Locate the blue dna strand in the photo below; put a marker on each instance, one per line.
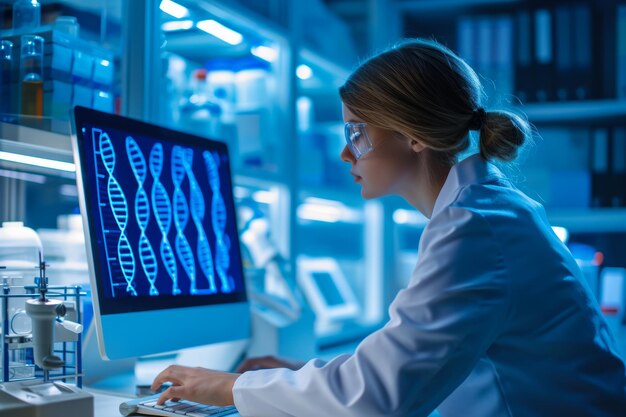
(119, 207)
(218, 218)
(163, 213)
(197, 214)
(142, 212)
(181, 216)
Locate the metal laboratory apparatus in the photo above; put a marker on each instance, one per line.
(24, 394)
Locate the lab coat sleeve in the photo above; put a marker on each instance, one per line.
(439, 327)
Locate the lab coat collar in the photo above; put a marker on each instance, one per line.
(471, 170)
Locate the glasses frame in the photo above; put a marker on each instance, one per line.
(350, 128)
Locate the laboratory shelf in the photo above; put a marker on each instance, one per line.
(349, 194)
(198, 46)
(575, 112)
(34, 150)
(597, 220)
(257, 178)
(327, 77)
(36, 137)
(445, 5)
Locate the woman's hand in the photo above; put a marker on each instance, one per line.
(196, 384)
(268, 362)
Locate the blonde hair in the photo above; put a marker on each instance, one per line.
(422, 90)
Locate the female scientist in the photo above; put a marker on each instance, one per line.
(496, 320)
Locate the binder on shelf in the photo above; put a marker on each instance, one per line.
(486, 44)
(564, 51)
(523, 60)
(543, 56)
(582, 37)
(604, 52)
(503, 57)
(620, 73)
(466, 40)
(600, 178)
(484, 27)
(618, 166)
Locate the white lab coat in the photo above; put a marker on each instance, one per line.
(496, 321)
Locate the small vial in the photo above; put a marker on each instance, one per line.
(26, 14)
(6, 73)
(67, 24)
(31, 75)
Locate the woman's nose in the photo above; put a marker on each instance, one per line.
(347, 156)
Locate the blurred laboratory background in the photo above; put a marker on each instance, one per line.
(263, 77)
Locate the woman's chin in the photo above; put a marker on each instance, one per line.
(369, 194)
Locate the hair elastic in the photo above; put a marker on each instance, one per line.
(478, 119)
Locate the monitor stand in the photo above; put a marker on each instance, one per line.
(133, 377)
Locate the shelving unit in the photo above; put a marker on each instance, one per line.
(598, 220)
(55, 143)
(558, 38)
(576, 113)
(330, 207)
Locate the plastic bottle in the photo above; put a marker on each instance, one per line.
(20, 251)
(251, 84)
(199, 111)
(256, 145)
(26, 14)
(20, 248)
(221, 80)
(6, 71)
(31, 75)
(67, 24)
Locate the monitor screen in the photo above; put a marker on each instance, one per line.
(161, 223)
(326, 284)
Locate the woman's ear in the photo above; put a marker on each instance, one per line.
(416, 145)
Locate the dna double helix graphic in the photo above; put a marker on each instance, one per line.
(163, 213)
(218, 218)
(142, 212)
(119, 207)
(205, 258)
(181, 217)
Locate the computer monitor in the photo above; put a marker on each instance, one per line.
(327, 289)
(161, 234)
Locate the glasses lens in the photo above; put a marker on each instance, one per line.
(357, 139)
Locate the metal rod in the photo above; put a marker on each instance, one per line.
(5, 326)
(43, 281)
(78, 355)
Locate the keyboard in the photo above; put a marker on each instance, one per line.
(148, 406)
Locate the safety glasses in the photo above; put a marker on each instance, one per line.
(357, 139)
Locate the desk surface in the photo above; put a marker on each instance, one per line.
(107, 405)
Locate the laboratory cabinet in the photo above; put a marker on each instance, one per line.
(274, 100)
(339, 235)
(225, 71)
(57, 54)
(561, 65)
